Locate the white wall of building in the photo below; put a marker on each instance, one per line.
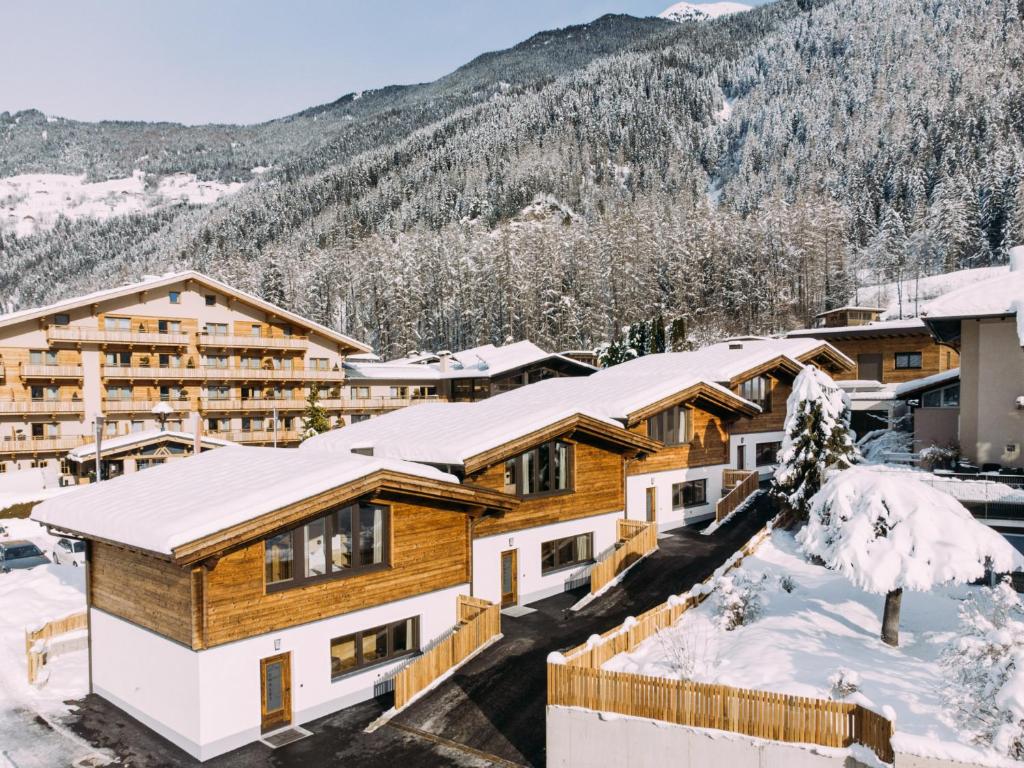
(533, 585)
(667, 517)
(208, 702)
(750, 442)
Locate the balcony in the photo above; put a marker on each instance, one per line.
(50, 372)
(42, 406)
(228, 341)
(73, 334)
(144, 406)
(42, 444)
(221, 374)
(258, 404)
(262, 436)
(358, 404)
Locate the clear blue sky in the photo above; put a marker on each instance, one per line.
(198, 61)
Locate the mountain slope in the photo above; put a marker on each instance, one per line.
(681, 12)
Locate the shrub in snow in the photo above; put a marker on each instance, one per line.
(739, 599)
(887, 532)
(986, 662)
(787, 583)
(817, 438)
(844, 682)
(876, 446)
(936, 457)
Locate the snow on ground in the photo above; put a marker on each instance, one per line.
(33, 202)
(33, 597)
(804, 637)
(916, 292)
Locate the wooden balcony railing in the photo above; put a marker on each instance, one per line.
(637, 539)
(260, 436)
(183, 373)
(229, 341)
(42, 444)
(42, 406)
(260, 404)
(77, 335)
(36, 371)
(144, 406)
(382, 403)
(743, 483)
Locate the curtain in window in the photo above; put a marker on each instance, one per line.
(371, 535)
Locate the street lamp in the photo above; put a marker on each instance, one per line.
(162, 410)
(98, 426)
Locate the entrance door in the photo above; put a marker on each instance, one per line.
(869, 366)
(741, 455)
(652, 504)
(509, 578)
(276, 691)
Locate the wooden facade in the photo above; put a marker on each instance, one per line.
(709, 445)
(935, 358)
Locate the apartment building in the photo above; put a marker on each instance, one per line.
(193, 345)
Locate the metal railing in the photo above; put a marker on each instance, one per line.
(79, 334)
(989, 496)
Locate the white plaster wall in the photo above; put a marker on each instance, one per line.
(532, 584)
(749, 442)
(669, 518)
(999, 382)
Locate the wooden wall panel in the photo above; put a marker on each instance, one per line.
(144, 590)
(429, 551)
(934, 357)
(710, 445)
(772, 421)
(598, 489)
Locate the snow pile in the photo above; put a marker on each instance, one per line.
(885, 531)
(820, 632)
(681, 12)
(34, 201)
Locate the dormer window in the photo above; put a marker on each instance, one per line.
(673, 426)
(61, 319)
(758, 390)
(174, 296)
(544, 470)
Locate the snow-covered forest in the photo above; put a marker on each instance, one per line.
(740, 175)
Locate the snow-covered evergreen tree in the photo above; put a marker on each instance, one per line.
(314, 419)
(818, 438)
(886, 532)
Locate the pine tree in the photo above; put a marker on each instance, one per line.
(817, 439)
(657, 334)
(314, 419)
(272, 284)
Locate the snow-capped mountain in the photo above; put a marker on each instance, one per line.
(701, 11)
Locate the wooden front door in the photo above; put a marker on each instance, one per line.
(652, 504)
(276, 691)
(869, 366)
(741, 455)
(509, 578)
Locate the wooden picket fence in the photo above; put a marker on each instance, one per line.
(36, 658)
(580, 682)
(743, 484)
(638, 539)
(479, 623)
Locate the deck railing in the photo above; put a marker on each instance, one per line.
(38, 647)
(42, 406)
(479, 624)
(743, 484)
(232, 341)
(79, 334)
(580, 681)
(39, 371)
(636, 539)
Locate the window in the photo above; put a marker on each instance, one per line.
(174, 296)
(218, 425)
(169, 326)
(42, 357)
(216, 329)
(360, 393)
(110, 429)
(218, 393)
(117, 359)
(170, 361)
(671, 426)
(252, 423)
(211, 300)
(373, 646)
(137, 426)
(545, 469)
(45, 393)
(358, 417)
(563, 553)
(252, 363)
(318, 364)
(43, 431)
(119, 393)
(765, 453)
(61, 319)
(172, 392)
(399, 392)
(692, 493)
(117, 324)
(758, 391)
(908, 360)
(947, 397)
(348, 539)
(256, 329)
(215, 361)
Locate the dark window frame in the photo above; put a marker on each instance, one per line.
(357, 638)
(907, 361)
(679, 489)
(210, 299)
(759, 448)
(519, 462)
(672, 426)
(764, 402)
(62, 318)
(299, 578)
(555, 544)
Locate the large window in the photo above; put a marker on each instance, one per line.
(947, 397)
(346, 540)
(545, 469)
(765, 453)
(563, 553)
(671, 427)
(908, 361)
(758, 390)
(117, 323)
(692, 493)
(373, 646)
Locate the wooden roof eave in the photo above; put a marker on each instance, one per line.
(383, 482)
(834, 356)
(576, 424)
(708, 397)
(782, 363)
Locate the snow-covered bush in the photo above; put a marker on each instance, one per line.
(986, 662)
(739, 599)
(817, 438)
(844, 682)
(876, 446)
(938, 457)
(886, 532)
(787, 583)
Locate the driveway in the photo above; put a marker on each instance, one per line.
(491, 712)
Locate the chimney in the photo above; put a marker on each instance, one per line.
(444, 356)
(735, 345)
(197, 431)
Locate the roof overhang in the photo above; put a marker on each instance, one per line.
(836, 361)
(714, 399)
(780, 364)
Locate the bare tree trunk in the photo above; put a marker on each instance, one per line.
(891, 618)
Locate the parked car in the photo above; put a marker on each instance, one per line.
(69, 552)
(20, 553)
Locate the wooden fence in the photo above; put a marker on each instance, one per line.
(638, 539)
(745, 484)
(479, 623)
(36, 657)
(580, 682)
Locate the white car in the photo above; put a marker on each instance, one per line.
(69, 552)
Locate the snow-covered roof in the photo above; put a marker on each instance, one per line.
(850, 308)
(988, 298)
(184, 501)
(85, 452)
(905, 325)
(390, 372)
(150, 282)
(927, 382)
